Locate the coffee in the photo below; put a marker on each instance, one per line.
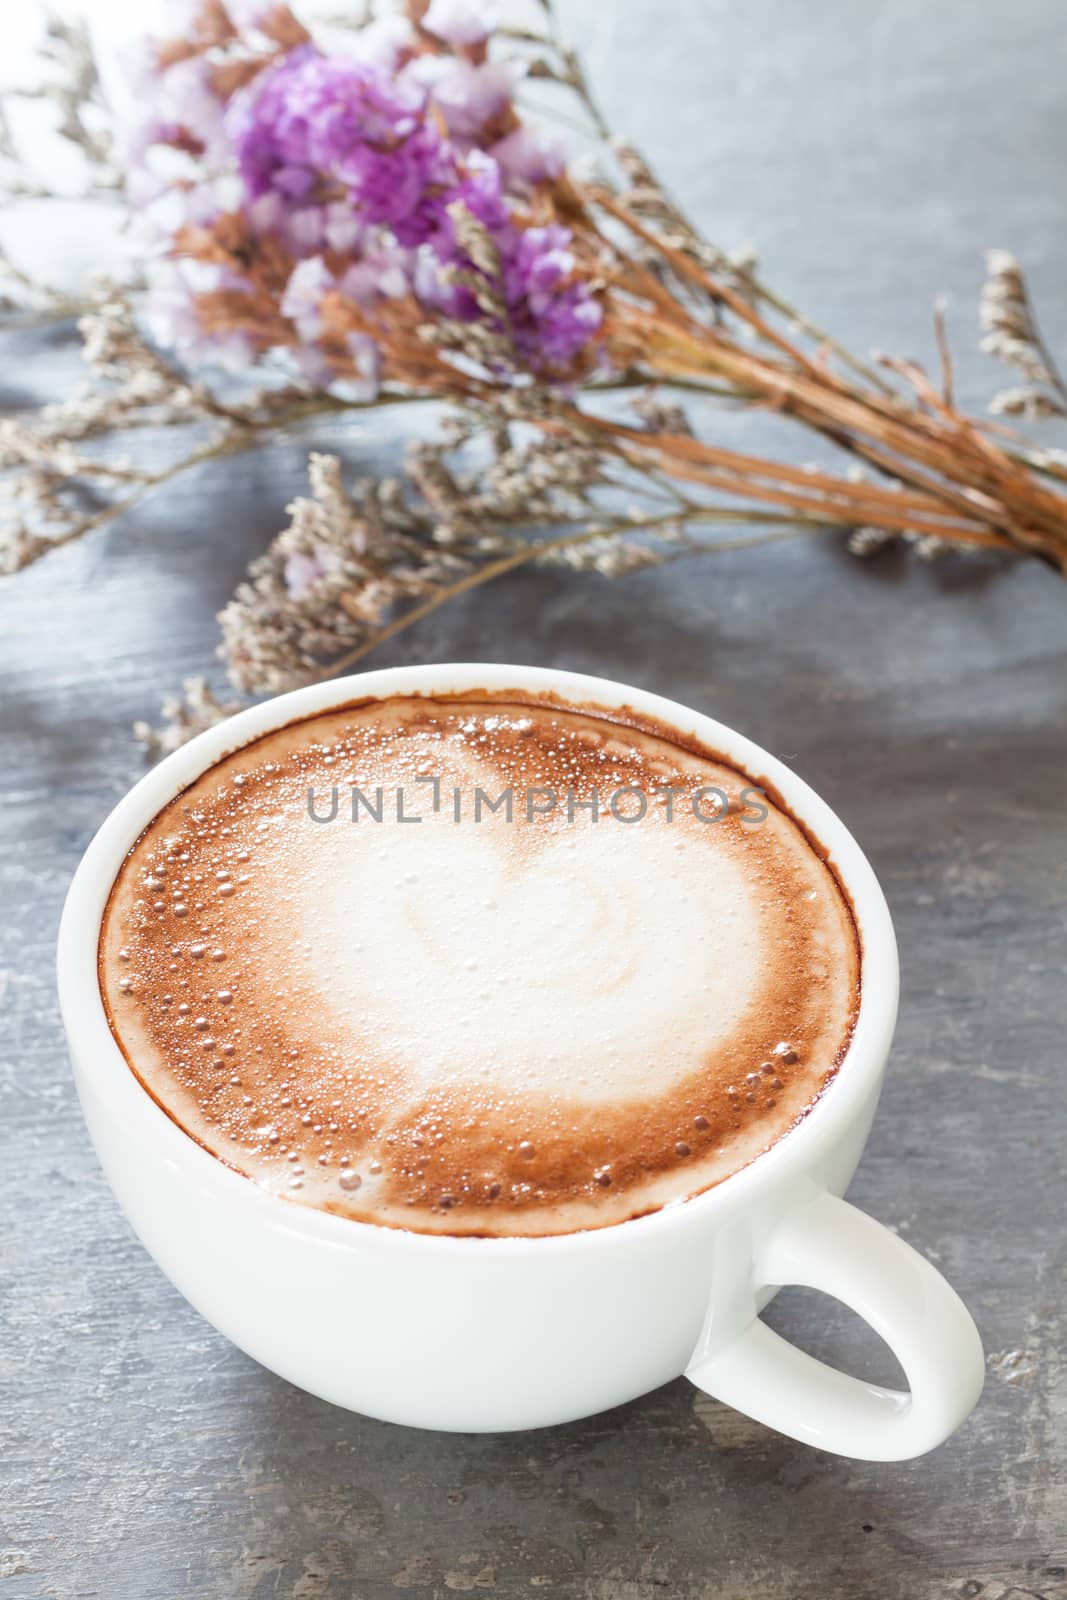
(493, 965)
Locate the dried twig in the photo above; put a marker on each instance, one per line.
(535, 303)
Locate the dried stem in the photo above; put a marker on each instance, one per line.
(929, 447)
(535, 552)
(529, 469)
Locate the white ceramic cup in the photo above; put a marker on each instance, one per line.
(478, 1334)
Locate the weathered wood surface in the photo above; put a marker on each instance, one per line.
(873, 151)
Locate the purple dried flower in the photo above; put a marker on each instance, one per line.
(387, 42)
(318, 127)
(171, 316)
(367, 360)
(384, 272)
(552, 314)
(303, 571)
(527, 157)
(468, 97)
(461, 22)
(302, 300)
(314, 365)
(181, 132)
(482, 192)
(364, 284)
(339, 171)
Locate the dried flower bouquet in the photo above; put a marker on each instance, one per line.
(363, 218)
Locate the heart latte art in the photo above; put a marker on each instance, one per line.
(490, 965)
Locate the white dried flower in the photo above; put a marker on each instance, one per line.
(184, 716)
(1035, 405)
(1007, 319)
(868, 541)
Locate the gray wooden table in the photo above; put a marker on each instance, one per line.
(873, 151)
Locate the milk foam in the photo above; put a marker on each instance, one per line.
(595, 966)
(492, 1026)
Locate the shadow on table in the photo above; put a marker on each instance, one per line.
(672, 1493)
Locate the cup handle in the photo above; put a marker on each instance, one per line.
(830, 1245)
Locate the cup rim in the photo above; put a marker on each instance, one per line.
(99, 1060)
